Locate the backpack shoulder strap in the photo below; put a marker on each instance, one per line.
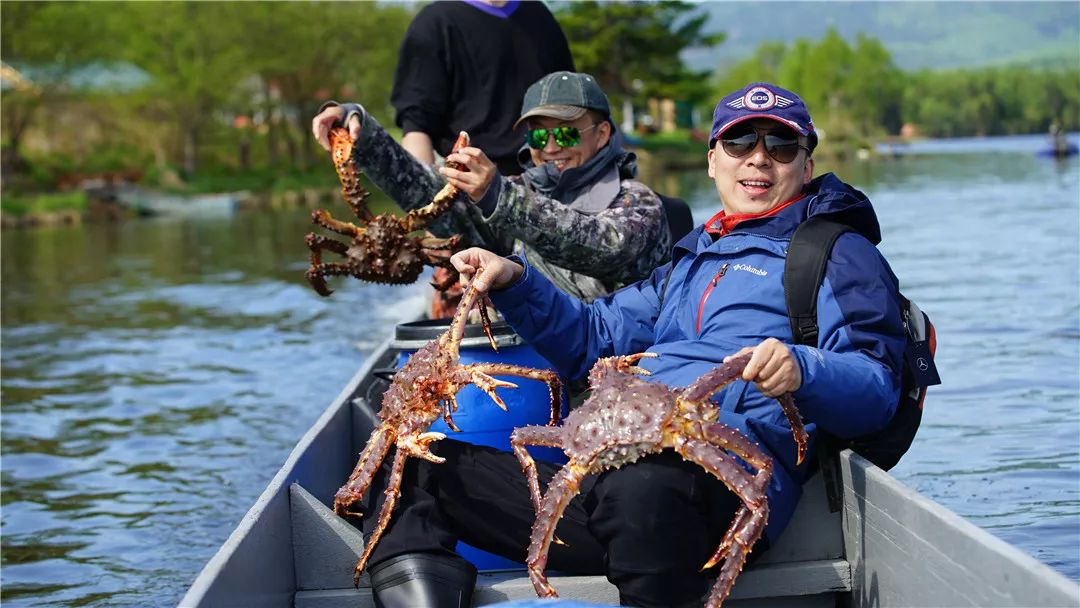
(804, 270)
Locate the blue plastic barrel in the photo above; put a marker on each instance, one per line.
(480, 420)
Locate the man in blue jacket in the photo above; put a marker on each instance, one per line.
(723, 294)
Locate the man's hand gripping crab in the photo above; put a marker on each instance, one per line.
(626, 418)
(423, 390)
(382, 249)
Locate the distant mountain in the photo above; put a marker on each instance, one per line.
(917, 34)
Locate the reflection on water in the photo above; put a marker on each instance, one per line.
(156, 374)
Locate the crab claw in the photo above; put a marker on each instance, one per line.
(488, 384)
(627, 362)
(463, 141)
(445, 283)
(419, 446)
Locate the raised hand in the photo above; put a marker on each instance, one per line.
(495, 272)
(477, 176)
(330, 118)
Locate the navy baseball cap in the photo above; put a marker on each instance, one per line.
(763, 100)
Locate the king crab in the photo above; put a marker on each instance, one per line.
(423, 390)
(626, 418)
(382, 249)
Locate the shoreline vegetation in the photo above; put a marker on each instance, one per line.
(103, 97)
(680, 150)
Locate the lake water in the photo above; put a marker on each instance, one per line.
(155, 374)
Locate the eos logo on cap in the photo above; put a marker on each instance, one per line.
(759, 98)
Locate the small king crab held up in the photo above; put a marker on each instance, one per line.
(423, 390)
(626, 418)
(382, 249)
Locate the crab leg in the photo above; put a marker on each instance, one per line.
(436, 257)
(324, 219)
(735, 442)
(744, 531)
(390, 496)
(450, 406)
(749, 521)
(370, 459)
(548, 377)
(420, 218)
(562, 489)
(533, 435)
(725, 468)
(317, 243)
(719, 377)
(434, 242)
(341, 154)
(798, 431)
(450, 279)
(357, 201)
(469, 298)
(317, 273)
(716, 379)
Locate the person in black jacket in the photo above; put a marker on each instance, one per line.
(465, 66)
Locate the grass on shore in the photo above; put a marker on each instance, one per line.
(40, 204)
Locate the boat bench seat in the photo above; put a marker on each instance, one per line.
(806, 567)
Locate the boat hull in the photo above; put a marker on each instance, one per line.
(886, 546)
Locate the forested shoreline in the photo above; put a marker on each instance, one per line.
(218, 95)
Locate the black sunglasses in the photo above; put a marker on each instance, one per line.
(783, 148)
(565, 137)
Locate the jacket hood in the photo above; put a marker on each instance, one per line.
(826, 195)
(829, 195)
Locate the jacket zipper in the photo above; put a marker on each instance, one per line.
(705, 296)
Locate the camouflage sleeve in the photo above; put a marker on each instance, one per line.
(620, 244)
(411, 184)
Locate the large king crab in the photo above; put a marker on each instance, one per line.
(422, 391)
(626, 418)
(382, 249)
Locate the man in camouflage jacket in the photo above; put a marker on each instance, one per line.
(576, 213)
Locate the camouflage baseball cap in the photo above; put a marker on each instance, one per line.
(563, 95)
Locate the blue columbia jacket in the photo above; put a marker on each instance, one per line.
(727, 293)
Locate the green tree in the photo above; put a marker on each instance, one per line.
(763, 66)
(320, 51)
(195, 61)
(876, 86)
(621, 43)
(43, 44)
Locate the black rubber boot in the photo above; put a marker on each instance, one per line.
(423, 580)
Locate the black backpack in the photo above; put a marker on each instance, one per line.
(804, 270)
(680, 219)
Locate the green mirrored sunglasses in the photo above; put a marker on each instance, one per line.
(565, 137)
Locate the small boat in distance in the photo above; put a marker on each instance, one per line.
(884, 546)
(1060, 146)
(158, 204)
